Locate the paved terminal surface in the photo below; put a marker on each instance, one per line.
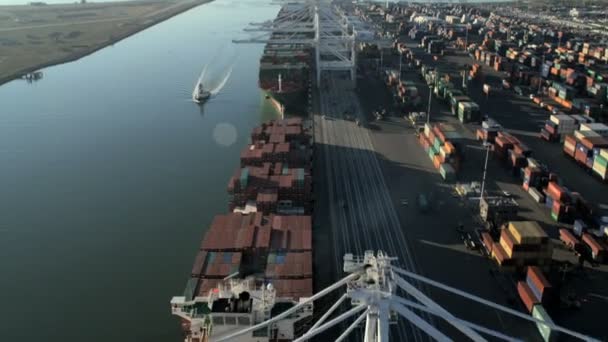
(368, 179)
(357, 167)
(521, 117)
(431, 238)
(360, 213)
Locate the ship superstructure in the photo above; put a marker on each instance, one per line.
(236, 304)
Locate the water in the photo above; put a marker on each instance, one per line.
(109, 175)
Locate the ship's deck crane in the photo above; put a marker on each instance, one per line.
(371, 286)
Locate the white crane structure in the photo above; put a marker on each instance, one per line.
(318, 24)
(371, 286)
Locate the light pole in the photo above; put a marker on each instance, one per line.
(485, 168)
(466, 37)
(400, 58)
(464, 75)
(540, 82)
(428, 112)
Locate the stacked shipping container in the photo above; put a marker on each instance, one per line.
(436, 143)
(257, 240)
(523, 243)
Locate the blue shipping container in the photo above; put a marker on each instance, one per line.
(549, 202)
(535, 290)
(579, 227)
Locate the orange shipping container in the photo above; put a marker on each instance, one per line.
(436, 161)
(526, 295)
(554, 71)
(448, 147)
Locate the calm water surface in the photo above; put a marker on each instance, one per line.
(109, 175)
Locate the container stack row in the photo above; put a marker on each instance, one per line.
(268, 233)
(274, 177)
(588, 146)
(536, 293)
(436, 141)
(522, 243)
(513, 153)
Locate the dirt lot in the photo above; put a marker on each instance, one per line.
(32, 37)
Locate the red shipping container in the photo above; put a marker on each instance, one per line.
(558, 207)
(438, 133)
(526, 295)
(598, 250)
(594, 142)
(522, 149)
(487, 241)
(556, 192)
(538, 280)
(423, 141)
(503, 143)
(567, 238)
(580, 156)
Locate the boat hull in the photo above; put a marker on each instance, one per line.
(291, 103)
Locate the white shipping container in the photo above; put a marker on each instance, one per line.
(581, 119)
(490, 124)
(598, 128)
(536, 195)
(563, 130)
(427, 129)
(533, 163)
(585, 134)
(562, 119)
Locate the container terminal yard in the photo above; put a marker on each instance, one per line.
(462, 143)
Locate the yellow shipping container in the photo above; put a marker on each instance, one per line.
(546, 251)
(602, 171)
(569, 145)
(527, 232)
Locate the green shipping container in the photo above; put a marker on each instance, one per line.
(432, 152)
(538, 312)
(437, 144)
(447, 172)
(601, 161)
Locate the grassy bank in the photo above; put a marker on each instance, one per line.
(35, 37)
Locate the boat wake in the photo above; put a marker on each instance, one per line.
(220, 86)
(204, 89)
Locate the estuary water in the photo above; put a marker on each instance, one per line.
(109, 175)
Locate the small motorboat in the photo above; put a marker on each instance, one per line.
(200, 95)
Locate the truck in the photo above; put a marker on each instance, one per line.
(455, 100)
(468, 112)
(452, 92)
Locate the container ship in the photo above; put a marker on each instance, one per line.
(285, 70)
(255, 261)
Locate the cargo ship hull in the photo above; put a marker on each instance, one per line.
(288, 103)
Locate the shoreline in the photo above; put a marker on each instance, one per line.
(76, 56)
